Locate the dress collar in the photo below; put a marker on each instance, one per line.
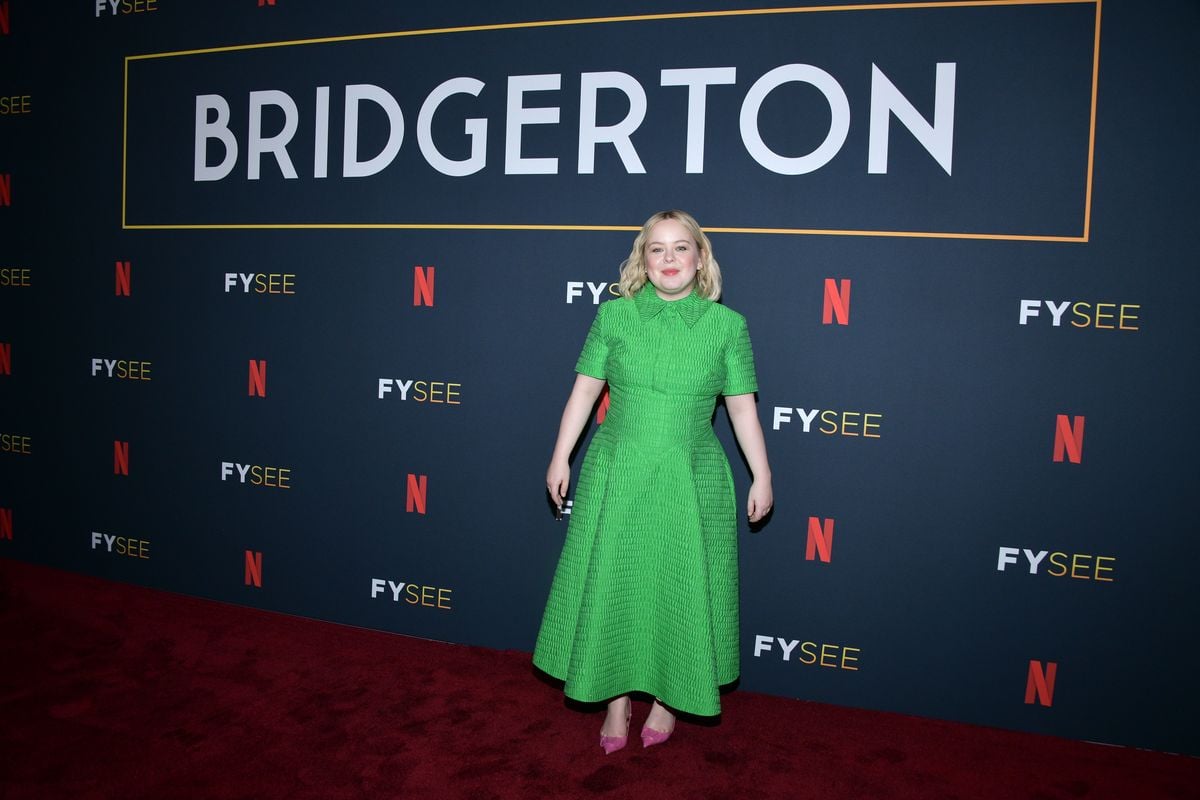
(689, 308)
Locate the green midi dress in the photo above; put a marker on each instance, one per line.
(645, 596)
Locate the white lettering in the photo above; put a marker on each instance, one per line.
(839, 124)
(937, 139)
(788, 647)
(257, 145)
(1034, 560)
(321, 134)
(355, 94)
(1029, 308)
(1008, 555)
(1056, 312)
(217, 129)
(618, 135)
(807, 417)
(697, 80)
(476, 130)
(761, 644)
(519, 116)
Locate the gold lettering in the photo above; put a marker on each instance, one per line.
(828, 651)
(16, 276)
(16, 443)
(846, 657)
(16, 104)
(867, 424)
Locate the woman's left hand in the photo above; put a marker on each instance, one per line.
(760, 501)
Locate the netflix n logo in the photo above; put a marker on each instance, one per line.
(602, 406)
(820, 540)
(416, 493)
(1068, 438)
(837, 302)
(4, 19)
(423, 286)
(5, 189)
(5, 358)
(253, 570)
(121, 458)
(1039, 685)
(258, 378)
(6, 527)
(123, 279)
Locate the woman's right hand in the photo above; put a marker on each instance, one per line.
(558, 476)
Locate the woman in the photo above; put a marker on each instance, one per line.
(645, 594)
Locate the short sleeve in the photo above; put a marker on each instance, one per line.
(594, 357)
(739, 363)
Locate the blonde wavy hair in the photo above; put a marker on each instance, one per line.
(708, 272)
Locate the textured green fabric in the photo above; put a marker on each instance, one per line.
(645, 597)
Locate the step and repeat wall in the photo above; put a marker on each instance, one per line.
(291, 292)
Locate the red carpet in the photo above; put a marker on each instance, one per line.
(114, 691)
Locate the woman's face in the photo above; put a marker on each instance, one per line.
(672, 257)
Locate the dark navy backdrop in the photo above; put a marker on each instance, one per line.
(909, 610)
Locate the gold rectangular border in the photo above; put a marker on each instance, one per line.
(1087, 207)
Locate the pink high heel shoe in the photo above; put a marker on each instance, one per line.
(651, 736)
(612, 744)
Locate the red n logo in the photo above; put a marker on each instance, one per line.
(123, 274)
(6, 189)
(423, 286)
(820, 539)
(258, 378)
(1040, 683)
(1068, 436)
(5, 358)
(837, 302)
(254, 568)
(121, 458)
(602, 409)
(4, 17)
(415, 496)
(262, 3)
(6, 523)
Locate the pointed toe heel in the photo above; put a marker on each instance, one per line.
(653, 736)
(611, 744)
